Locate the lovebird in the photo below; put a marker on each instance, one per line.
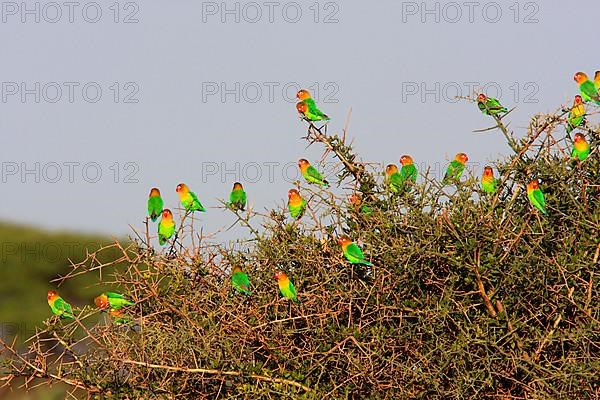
(166, 227)
(188, 199)
(456, 168)
(240, 281)
(581, 148)
(311, 174)
(112, 300)
(296, 204)
(488, 182)
(597, 81)
(119, 317)
(536, 197)
(155, 204)
(59, 306)
(394, 179)
(352, 252)
(286, 286)
(576, 115)
(490, 105)
(356, 201)
(237, 198)
(408, 172)
(586, 88)
(311, 112)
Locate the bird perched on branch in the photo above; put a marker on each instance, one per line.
(576, 115)
(588, 90)
(394, 179)
(286, 286)
(488, 182)
(240, 281)
(536, 197)
(307, 107)
(581, 148)
(166, 227)
(296, 204)
(188, 199)
(311, 174)
(490, 105)
(114, 300)
(352, 252)
(237, 198)
(456, 168)
(59, 306)
(408, 172)
(155, 204)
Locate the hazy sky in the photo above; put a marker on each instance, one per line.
(202, 92)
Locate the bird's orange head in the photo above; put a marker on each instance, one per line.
(481, 98)
(167, 214)
(533, 185)
(101, 301)
(279, 275)
(391, 169)
(237, 186)
(303, 94)
(303, 163)
(406, 160)
(236, 268)
(580, 77)
(487, 171)
(154, 192)
(578, 100)
(355, 199)
(579, 137)
(461, 158)
(182, 188)
(302, 108)
(344, 241)
(292, 193)
(52, 295)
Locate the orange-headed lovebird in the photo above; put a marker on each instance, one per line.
(59, 306)
(166, 227)
(286, 286)
(488, 182)
(237, 198)
(310, 112)
(310, 173)
(586, 88)
(240, 281)
(490, 105)
(576, 115)
(581, 148)
(155, 204)
(352, 252)
(456, 168)
(188, 199)
(536, 197)
(296, 204)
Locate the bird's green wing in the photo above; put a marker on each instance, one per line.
(395, 182)
(64, 309)
(539, 198)
(155, 207)
(354, 252)
(241, 282)
(409, 172)
(313, 175)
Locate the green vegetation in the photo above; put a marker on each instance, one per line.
(470, 295)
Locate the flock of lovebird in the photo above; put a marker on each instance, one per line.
(397, 181)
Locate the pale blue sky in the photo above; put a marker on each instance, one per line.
(368, 61)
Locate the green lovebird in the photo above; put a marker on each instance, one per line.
(237, 198)
(119, 317)
(286, 286)
(240, 281)
(456, 168)
(408, 171)
(166, 227)
(352, 252)
(296, 204)
(188, 199)
(488, 182)
(394, 179)
(536, 197)
(59, 306)
(576, 115)
(490, 105)
(307, 107)
(581, 148)
(356, 201)
(112, 300)
(587, 88)
(311, 174)
(597, 81)
(155, 204)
